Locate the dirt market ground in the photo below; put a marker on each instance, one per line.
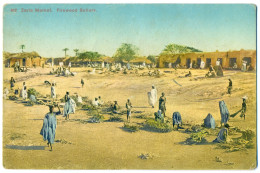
(106, 145)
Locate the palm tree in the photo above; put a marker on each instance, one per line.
(22, 47)
(76, 52)
(65, 50)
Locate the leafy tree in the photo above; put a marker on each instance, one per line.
(65, 50)
(22, 47)
(152, 58)
(172, 49)
(76, 52)
(126, 52)
(89, 55)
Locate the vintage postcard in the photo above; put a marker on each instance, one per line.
(129, 86)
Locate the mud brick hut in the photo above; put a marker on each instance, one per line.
(227, 59)
(25, 59)
(140, 61)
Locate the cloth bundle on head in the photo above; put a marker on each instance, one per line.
(224, 112)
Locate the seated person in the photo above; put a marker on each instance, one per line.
(115, 108)
(95, 102)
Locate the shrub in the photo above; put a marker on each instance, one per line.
(130, 128)
(197, 138)
(115, 119)
(96, 117)
(157, 126)
(241, 143)
(32, 91)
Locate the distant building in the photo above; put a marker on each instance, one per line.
(25, 59)
(228, 60)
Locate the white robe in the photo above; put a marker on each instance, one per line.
(69, 107)
(24, 93)
(53, 93)
(95, 103)
(202, 64)
(79, 99)
(152, 97)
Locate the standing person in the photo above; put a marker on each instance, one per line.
(162, 102)
(128, 107)
(53, 93)
(243, 111)
(48, 130)
(152, 96)
(82, 83)
(24, 91)
(229, 86)
(69, 66)
(67, 106)
(12, 81)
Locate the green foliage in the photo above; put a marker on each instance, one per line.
(152, 58)
(96, 116)
(89, 55)
(131, 128)
(172, 49)
(157, 126)
(22, 47)
(142, 116)
(126, 52)
(65, 50)
(32, 91)
(242, 143)
(197, 138)
(115, 119)
(76, 51)
(248, 135)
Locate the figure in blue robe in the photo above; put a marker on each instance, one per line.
(222, 135)
(176, 120)
(209, 121)
(49, 126)
(224, 112)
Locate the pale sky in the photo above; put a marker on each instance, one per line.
(149, 26)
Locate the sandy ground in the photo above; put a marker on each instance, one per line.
(106, 145)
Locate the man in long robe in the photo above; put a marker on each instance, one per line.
(152, 96)
(162, 104)
(223, 112)
(48, 130)
(69, 107)
(24, 91)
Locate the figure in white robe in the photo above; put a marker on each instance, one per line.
(103, 64)
(79, 99)
(217, 63)
(243, 66)
(93, 71)
(24, 91)
(170, 65)
(95, 102)
(202, 64)
(152, 97)
(70, 107)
